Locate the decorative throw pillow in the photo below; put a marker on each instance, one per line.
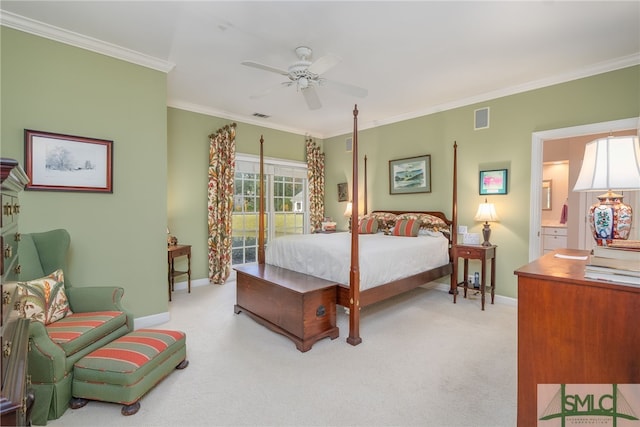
(386, 220)
(44, 299)
(368, 226)
(406, 227)
(427, 222)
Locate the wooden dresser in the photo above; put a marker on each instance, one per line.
(573, 330)
(15, 398)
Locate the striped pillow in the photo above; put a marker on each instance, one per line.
(368, 226)
(406, 228)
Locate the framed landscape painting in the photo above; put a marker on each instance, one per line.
(57, 162)
(410, 175)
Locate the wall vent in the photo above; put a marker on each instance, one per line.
(481, 118)
(262, 116)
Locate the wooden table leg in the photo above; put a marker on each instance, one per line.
(169, 278)
(493, 278)
(483, 282)
(466, 274)
(189, 271)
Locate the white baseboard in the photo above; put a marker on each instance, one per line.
(153, 320)
(160, 318)
(182, 286)
(499, 299)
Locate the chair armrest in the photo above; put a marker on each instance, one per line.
(46, 359)
(103, 298)
(97, 298)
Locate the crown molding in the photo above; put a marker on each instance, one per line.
(17, 22)
(599, 68)
(201, 109)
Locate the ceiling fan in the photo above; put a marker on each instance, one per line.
(306, 76)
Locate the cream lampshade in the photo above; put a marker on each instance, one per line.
(610, 163)
(487, 213)
(347, 213)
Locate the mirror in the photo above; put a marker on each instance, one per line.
(546, 195)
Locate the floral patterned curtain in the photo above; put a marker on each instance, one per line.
(222, 165)
(315, 174)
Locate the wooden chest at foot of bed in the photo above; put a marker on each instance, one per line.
(298, 306)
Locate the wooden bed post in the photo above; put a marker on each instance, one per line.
(354, 273)
(365, 185)
(261, 207)
(454, 213)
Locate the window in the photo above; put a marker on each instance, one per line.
(286, 206)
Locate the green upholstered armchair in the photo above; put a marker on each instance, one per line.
(54, 348)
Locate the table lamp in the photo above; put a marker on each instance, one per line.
(487, 213)
(610, 163)
(348, 213)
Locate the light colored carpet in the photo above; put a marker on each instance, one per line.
(423, 362)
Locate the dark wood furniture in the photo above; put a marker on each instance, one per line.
(350, 296)
(298, 306)
(16, 400)
(482, 253)
(572, 330)
(173, 252)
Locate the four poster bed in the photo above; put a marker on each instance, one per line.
(294, 289)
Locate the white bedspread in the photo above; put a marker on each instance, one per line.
(382, 258)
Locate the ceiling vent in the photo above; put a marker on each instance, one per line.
(262, 116)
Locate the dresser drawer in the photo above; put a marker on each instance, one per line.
(554, 231)
(554, 242)
(10, 209)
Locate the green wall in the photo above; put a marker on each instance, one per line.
(505, 144)
(119, 238)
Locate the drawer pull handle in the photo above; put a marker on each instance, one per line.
(16, 208)
(6, 297)
(17, 237)
(6, 209)
(18, 269)
(8, 251)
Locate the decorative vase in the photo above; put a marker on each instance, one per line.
(610, 219)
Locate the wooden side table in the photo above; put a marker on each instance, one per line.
(482, 253)
(173, 252)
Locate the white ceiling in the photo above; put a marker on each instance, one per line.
(414, 57)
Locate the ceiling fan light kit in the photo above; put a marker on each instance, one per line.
(306, 76)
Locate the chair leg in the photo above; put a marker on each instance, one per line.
(183, 364)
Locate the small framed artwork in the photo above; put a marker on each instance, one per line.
(410, 175)
(57, 162)
(343, 192)
(493, 182)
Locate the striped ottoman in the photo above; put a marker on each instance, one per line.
(125, 369)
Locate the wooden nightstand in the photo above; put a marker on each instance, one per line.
(482, 253)
(175, 251)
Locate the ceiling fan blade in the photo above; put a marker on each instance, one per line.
(270, 90)
(346, 88)
(260, 66)
(323, 64)
(311, 96)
